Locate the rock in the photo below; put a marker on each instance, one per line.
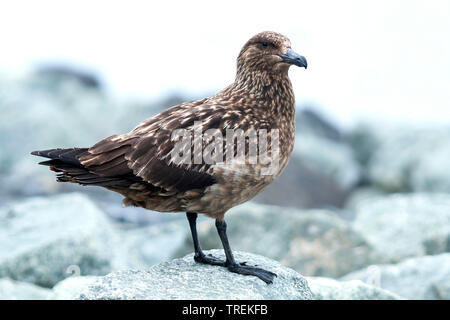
(70, 288)
(314, 242)
(56, 74)
(16, 290)
(301, 186)
(185, 279)
(431, 173)
(320, 173)
(403, 159)
(364, 141)
(44, 240)
(362, 194)
(310, 121)
(333, 159)
(425, 277)
(442, 289)
(405, 225)
(330, 289)
(156, 243)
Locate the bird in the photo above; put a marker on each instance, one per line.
(140, 164)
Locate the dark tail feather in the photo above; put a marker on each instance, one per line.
(66, 163)
(69, 156)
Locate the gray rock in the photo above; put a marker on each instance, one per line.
(362, 194)
(425, 277)
(310, 121)
(157, 243)
(330, 289)
(303, 186)
(185, 279)
(404, 225)
(55, 74)
(364, 140)
(334, 159)
(44, 240)
(442, 289)
(16, 290)
(321, 173)
(314, 242)
(70, 288)
(406, 159)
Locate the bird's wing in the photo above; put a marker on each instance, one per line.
(145, 151)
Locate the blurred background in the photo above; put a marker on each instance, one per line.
(368, 184)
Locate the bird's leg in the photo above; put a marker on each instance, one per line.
(199, 256)
(240, 268)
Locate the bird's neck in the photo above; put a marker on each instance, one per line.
(258, 81)
(274, 92)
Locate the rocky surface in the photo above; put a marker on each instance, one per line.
(70, 288)
(303, 186)
(404, 225)
(156, 243)
(334, 159)
(185, 279)
(15, 290)
(401, 158)
(313, 242)
(44, 240)
(416, 278)
(362, 194)
(322, 288)
(330, 289)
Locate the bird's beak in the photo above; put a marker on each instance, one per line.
(293, 57)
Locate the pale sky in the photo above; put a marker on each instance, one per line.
(388, 60)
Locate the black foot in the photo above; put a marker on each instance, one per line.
(264, 275)
(209, 259)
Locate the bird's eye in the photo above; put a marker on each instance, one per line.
(265, 44)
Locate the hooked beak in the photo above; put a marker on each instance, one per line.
(294, 58)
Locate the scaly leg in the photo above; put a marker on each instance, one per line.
(240, 268)
(199, 256)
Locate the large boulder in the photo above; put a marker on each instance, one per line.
(367, 193)
(156, 243)
(415, 278)
(400, 158)
(404, 225)
(334, 159)
(330, 289)
(185, 279)
(16, 290)
(44, 240)
(313, 242)
(303, 186)
(310, 121)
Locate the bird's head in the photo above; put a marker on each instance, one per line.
(268, 52)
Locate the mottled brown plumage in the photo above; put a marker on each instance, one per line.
(138, 164)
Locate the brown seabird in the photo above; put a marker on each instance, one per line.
(158, 170)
